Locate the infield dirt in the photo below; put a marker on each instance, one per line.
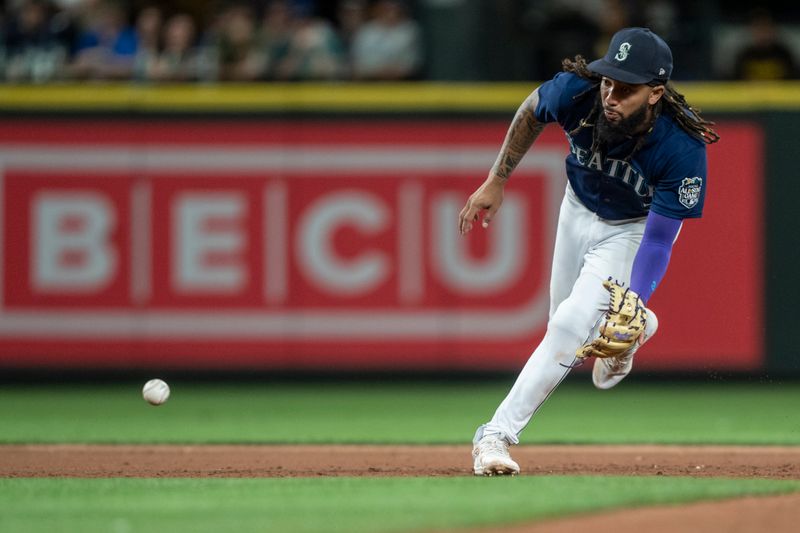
(773, 514)
(76, 460)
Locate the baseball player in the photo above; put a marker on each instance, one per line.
(636, 169)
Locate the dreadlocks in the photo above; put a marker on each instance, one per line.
(673, 102)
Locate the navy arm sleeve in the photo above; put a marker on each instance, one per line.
(650, 263)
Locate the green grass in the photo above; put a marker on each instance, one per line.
(335, 504)
(331, 412)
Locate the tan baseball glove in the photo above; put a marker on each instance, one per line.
(625, 319)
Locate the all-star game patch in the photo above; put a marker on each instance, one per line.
(689, 191)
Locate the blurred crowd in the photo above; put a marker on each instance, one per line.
(710, 40)
(232, 41)
(297, 40)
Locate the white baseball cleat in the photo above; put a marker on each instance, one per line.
(609, 371)
(492, 458)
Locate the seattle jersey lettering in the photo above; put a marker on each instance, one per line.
(614, 168)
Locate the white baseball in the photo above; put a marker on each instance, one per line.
(155, 392)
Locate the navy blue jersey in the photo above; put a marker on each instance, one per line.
(667, 174)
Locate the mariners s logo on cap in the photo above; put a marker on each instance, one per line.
(635, 55)
(622, 55)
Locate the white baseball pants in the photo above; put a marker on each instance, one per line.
(588, 250)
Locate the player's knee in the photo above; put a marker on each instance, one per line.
(575, 325)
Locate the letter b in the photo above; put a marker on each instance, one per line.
(70, 244)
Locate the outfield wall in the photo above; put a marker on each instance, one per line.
(301, 230)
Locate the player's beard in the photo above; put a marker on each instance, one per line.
(615, 133)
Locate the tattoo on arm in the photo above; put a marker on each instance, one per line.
(521, 134)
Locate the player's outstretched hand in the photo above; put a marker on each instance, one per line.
(487, 197)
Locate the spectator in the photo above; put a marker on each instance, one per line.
(662, 16)
(766, 56)
(351, 16)
(148, 36)
(107, 45)
(276, 33)
(2, 44)
(34, 49)
(241, 56)
(562, 29)
(314, 52)
(388, 47)
(179, 60)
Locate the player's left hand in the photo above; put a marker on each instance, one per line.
(487, 197)
(625, 320)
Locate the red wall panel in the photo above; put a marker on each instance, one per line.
(328, 245)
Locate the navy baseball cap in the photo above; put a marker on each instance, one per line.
(635, 55)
